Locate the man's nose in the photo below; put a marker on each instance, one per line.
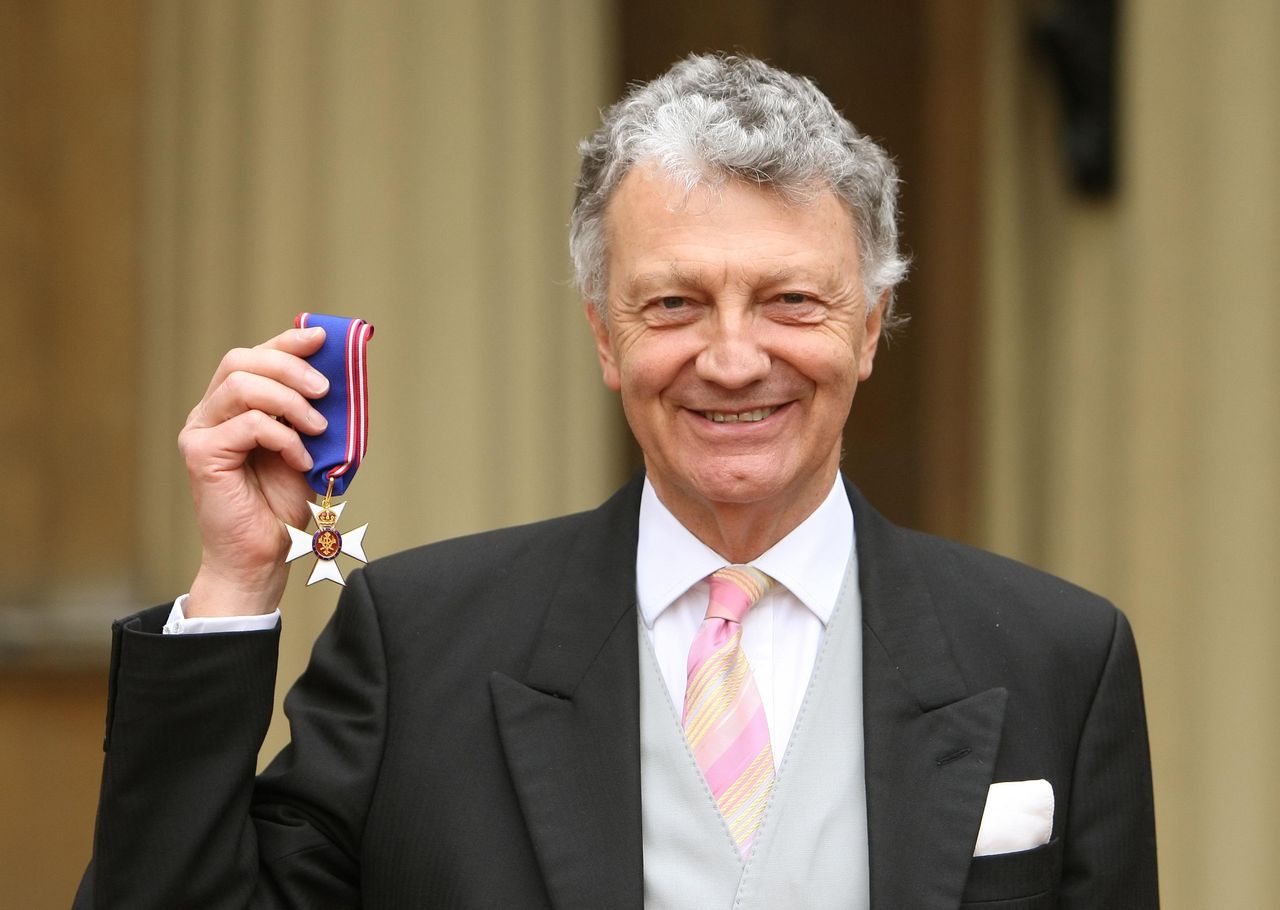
(732, 357)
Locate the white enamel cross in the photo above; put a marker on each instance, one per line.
(326, 543)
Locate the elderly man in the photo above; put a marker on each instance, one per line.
(732, 685)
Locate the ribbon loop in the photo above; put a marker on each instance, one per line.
(338, 451)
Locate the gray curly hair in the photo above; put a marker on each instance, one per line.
(714, 117)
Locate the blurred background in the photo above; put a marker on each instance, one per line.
(1092, 200)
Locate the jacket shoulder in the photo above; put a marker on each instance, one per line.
(480, 554)
(976, 571)
(494, 570)
(506, 574)
(1012, 614)
(970, 585)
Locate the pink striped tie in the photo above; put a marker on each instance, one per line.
(724, 719)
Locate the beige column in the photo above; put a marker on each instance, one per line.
(69, 95)
(1133, 402)
(410, 163)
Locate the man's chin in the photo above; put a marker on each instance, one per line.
(738, 487)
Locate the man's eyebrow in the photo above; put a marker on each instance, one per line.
(821, 275)
(676, 276)
(673, 275)
(778, 276)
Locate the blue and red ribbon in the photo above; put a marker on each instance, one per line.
(338, 451)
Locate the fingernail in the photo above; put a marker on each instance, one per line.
(317, 419)
(314, 332)
(317, 383)
(307, 460)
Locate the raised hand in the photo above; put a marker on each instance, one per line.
(246, 470)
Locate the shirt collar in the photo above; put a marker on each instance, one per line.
(809, 562)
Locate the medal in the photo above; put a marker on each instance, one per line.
(327, 542)
(338, 451)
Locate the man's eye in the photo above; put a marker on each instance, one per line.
(672, 303)
(794, 298)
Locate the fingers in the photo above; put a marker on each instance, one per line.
(272, 378)
(224, 447)
(244, 391)
(280, 359)
(301, 342)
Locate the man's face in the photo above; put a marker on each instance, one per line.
(737, 332)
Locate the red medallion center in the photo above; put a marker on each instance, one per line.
(326, 543)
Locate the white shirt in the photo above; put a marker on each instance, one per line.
(178, 624)
(781, 635)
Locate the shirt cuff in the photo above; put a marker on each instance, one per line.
(178, 624)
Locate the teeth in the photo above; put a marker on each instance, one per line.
(738, 417)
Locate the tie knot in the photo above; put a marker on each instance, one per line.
(735, 590)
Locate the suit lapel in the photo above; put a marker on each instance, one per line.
(570, 728)
(930, 744)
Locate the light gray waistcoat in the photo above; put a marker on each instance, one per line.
(811, 850)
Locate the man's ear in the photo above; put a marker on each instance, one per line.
(604, 347)
(871, 336)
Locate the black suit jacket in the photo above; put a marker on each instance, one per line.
(467, 735)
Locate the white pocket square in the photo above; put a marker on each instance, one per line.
(1018, 816)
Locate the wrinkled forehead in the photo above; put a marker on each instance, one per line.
(661, 231)
(691, 190)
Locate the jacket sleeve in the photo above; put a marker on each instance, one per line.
(1110, 841)
(182, 822)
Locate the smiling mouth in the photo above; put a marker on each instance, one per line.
(739, 416)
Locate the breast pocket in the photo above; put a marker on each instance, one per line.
(1026, 880)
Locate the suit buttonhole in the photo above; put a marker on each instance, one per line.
(948, 757)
